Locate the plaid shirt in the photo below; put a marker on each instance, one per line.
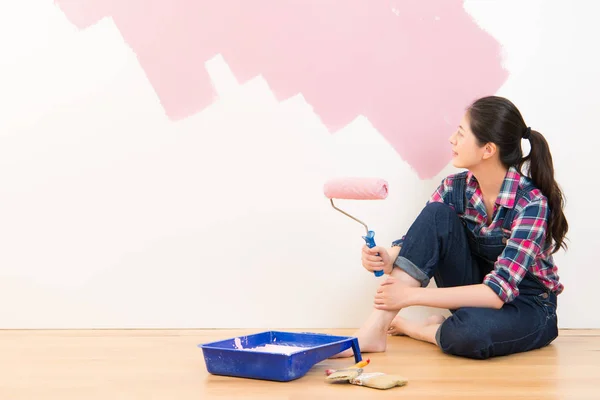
(525, 249)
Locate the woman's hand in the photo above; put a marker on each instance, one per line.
(392, 295)
(372, 262)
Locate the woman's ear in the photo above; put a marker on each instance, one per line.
(489, 150)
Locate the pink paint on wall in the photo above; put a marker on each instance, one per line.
(410, 67)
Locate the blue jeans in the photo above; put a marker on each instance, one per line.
(438, 245)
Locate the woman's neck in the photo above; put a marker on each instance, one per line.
(490, 178)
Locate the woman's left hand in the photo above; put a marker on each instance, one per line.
(393, 296)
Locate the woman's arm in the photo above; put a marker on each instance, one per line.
(394, 295)
(397, 292)
(478, 295)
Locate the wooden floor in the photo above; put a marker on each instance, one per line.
(132, 364)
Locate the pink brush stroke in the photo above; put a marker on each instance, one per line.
(411, 72)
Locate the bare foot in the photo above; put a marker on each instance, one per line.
(372, 336)
(401, 326)
(370, 340)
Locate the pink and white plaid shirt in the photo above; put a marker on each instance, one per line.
(526, 248)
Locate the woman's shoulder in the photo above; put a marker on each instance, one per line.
(529, 193)
(450, 179)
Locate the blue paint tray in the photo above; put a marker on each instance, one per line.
(238, 357)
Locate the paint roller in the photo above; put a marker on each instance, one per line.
(357, 189)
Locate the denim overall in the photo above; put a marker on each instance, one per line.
(441, 244)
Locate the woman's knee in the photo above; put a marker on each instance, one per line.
(436, 207)
(436, 212)
(463, 340)
(439, 217)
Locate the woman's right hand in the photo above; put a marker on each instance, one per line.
(372, 261)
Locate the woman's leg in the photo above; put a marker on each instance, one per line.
(436, 244)
(529, 322)
(372, 335)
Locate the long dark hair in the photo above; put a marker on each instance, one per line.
(496, 120)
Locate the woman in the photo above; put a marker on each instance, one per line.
(486, 236)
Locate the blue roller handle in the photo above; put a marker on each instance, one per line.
(369, 239)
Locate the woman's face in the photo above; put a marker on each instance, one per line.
(466, 152)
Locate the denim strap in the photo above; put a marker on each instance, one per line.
(458, 196)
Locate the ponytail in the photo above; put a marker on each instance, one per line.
(541, 170)
(497, 120)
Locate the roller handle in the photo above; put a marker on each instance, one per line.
(370, 240)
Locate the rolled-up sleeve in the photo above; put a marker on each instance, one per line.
(525, 244)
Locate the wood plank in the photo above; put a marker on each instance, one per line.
(167, 364)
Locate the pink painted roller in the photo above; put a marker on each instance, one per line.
(357, 189)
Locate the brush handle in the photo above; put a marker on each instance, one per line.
(370, 240)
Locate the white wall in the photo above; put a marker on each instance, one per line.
(112, 215)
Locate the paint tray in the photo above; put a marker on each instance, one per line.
(255, 357)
